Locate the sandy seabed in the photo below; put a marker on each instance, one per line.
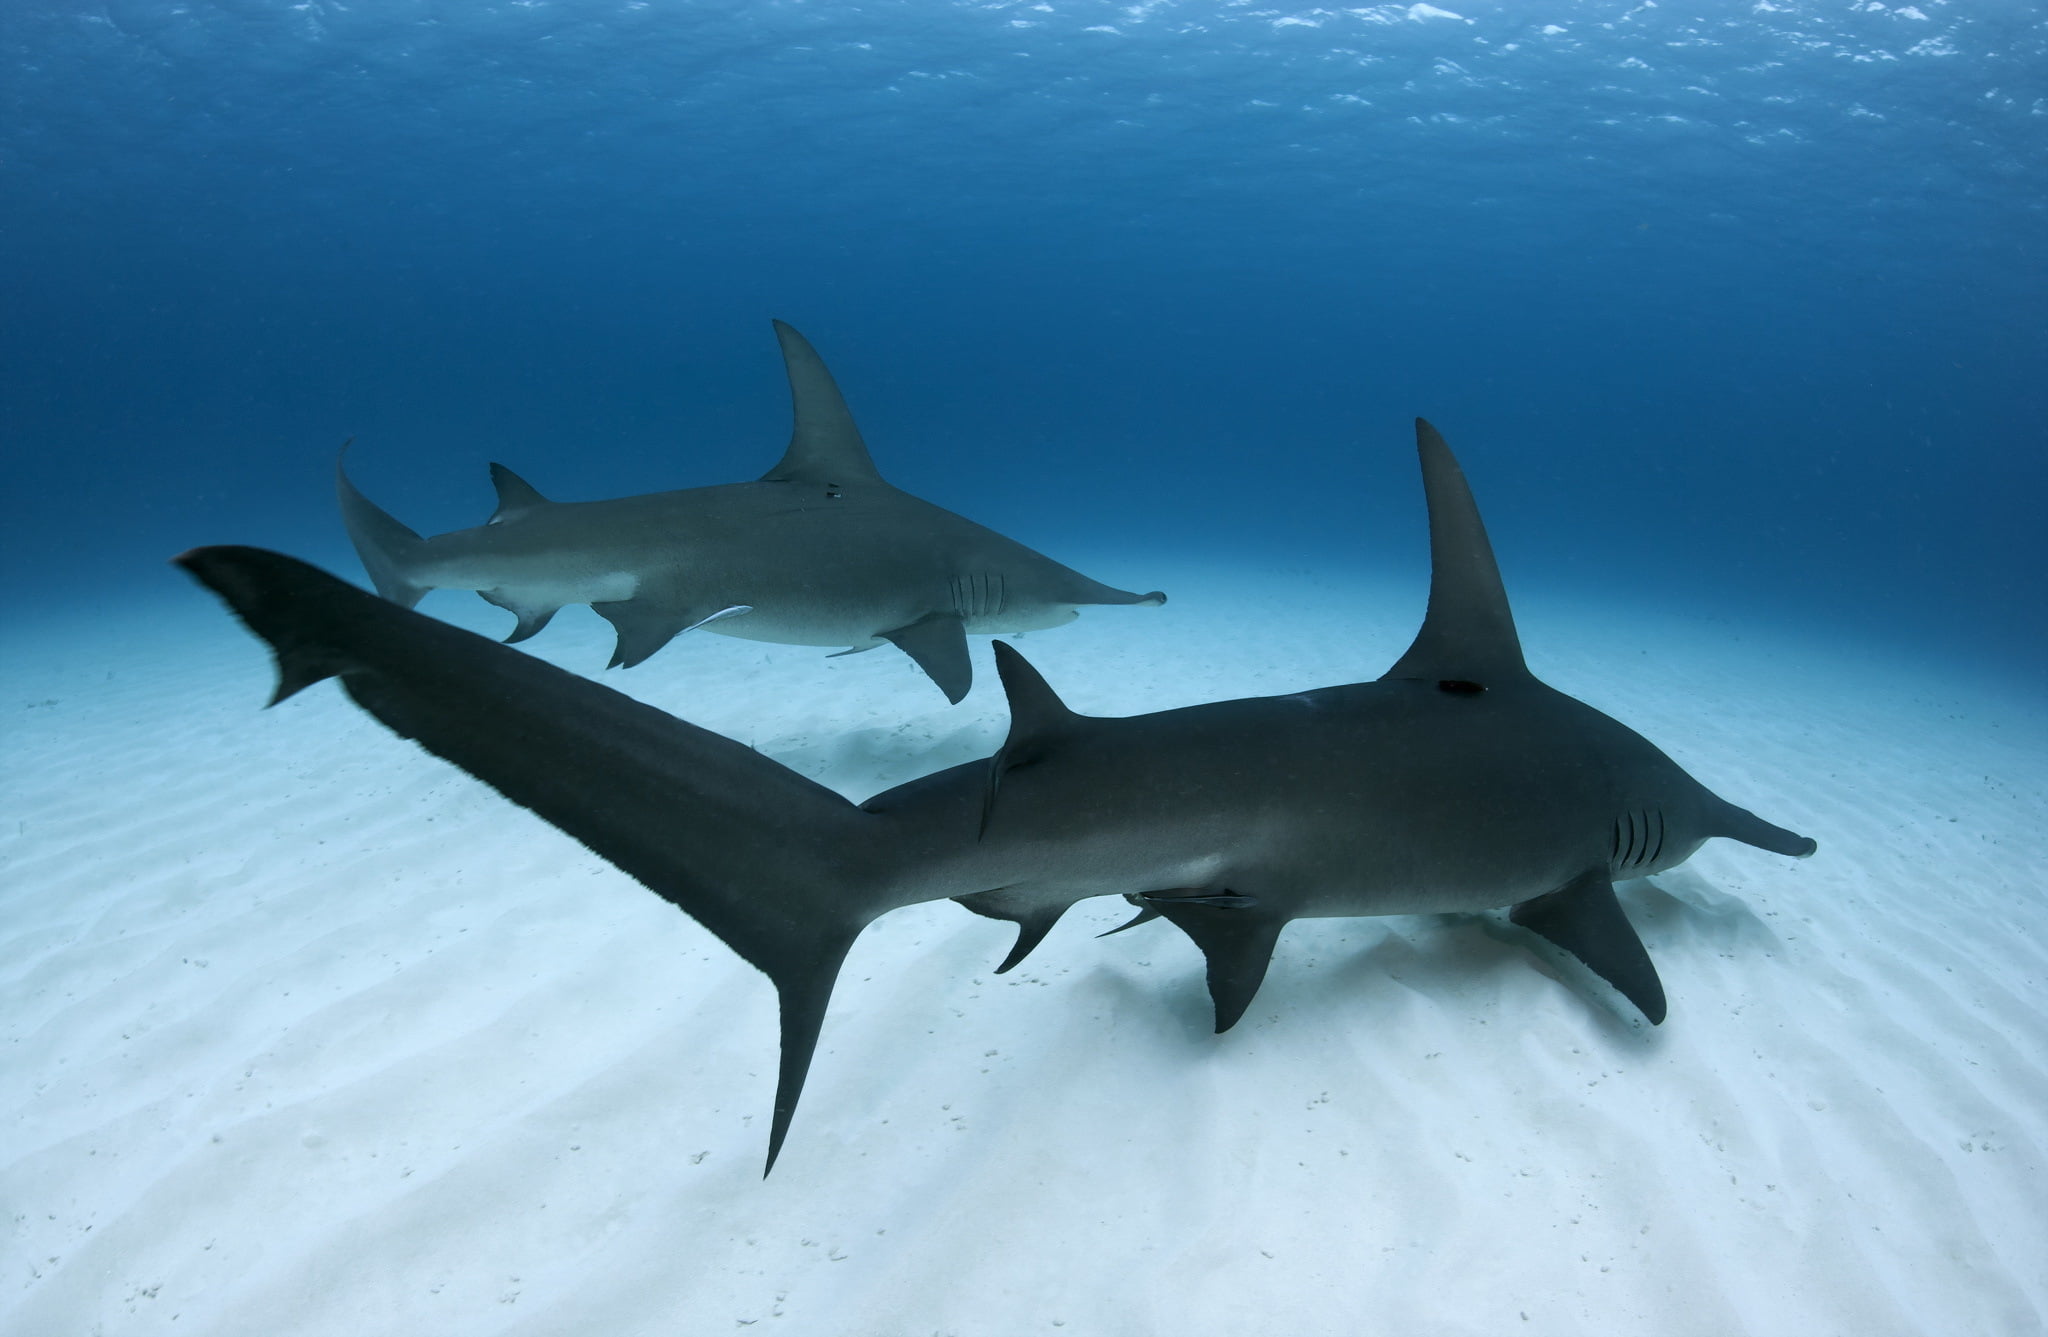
(307, 1032)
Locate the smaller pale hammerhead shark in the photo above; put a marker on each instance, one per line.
(818, 551)
(1456, 782)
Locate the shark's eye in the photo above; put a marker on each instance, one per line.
(1460, 687)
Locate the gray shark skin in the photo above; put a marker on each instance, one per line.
(818, 551)
(1457, 782)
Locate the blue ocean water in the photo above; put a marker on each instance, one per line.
(1727, 306)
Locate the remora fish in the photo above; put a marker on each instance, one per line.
(818, 551)
(1456, 782)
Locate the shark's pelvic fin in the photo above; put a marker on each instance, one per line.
(516, 496)
(783, 870)
(1146, 914)
(386, 547)
(1468, 636)
(938, 642)
(824, 444)
(1585, 919)
(647, 622)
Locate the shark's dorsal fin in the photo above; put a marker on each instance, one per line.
(515, 495)
(1038, 720)
(1468, 636)
(824, 445)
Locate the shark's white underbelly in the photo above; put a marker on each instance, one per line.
(553, 590)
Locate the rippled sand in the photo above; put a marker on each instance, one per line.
(308, 1033)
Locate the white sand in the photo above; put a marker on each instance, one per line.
(309, 1033)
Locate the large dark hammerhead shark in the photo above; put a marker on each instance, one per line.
(818, 551)
(1457, 782)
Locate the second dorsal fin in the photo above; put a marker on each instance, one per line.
(1468, 635)
(515, 495)
(824, 444)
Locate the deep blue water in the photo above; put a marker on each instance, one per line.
(1729, 306)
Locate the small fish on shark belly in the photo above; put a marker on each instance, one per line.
(1456, 781)
(818, 551)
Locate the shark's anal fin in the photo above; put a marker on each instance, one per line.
(1236, 941)
(532, 617)
(516, 496)
(938, 642)
(1034, 917)
(1585, 919)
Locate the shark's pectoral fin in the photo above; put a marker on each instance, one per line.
(1585, 919)
(938, 642)
(1236, 940)
(1034, 916)
(532, 617)
(646, 624)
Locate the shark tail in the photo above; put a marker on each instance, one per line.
(784, 871)
(387, 548)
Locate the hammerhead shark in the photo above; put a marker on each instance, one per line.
(1456, 782)
(818, 551)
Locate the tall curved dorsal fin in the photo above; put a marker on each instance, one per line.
(515, 494)
(824, 444)
(1038, 719)
(1468, 635)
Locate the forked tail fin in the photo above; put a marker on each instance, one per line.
(783, 870)
(387, 548)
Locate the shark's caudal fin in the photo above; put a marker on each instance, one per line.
(784, 871)
(1468, 636)
(387, 548)
(824, 445)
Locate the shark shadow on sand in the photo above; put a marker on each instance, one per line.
(1456, 782)
(818, 551)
